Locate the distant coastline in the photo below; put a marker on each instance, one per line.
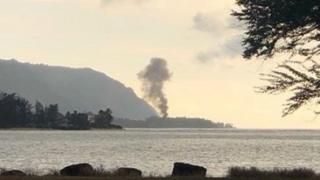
(17, 112)
(115, 128)
(170, 122)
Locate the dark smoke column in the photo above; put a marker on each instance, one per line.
(153, 78)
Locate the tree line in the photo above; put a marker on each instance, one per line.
(172, 122)
(17, 112)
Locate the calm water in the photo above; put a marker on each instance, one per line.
(154, 151)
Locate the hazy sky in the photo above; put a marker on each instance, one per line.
(198, 38)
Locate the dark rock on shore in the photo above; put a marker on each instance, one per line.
(83, 169)
(13, 173)
(125, 172)
(183, 169)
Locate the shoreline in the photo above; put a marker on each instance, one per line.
(130, 128)
(180, 171)
(109, 129)
(43, 129)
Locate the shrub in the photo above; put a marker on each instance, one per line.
(101, 171)
(243, 172)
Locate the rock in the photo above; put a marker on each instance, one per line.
(183, 169)
(83, 169)
(128, 172)
(13, 173)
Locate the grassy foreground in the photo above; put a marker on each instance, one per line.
(150, 178)
(234, 173)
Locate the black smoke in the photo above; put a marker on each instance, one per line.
(153, 78)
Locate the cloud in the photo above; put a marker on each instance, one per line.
(225, 32)
(215, 24)
(109, 2)
(206, 23)
(229, 49)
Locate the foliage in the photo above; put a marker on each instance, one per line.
(275, 26)
(39, 116)
(17, 112)
(53, 116)
(253, 172)
(77, 120)
(14, 110)
(103, 118)
(285, 26)
(47, 116)
(303, 80)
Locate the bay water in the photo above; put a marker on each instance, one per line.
(155, 150)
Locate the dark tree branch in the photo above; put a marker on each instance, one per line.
(304, 84)
(285, 26)
(275, 26)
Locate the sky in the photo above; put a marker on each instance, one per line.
(199, 39)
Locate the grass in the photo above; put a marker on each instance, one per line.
(234, 173)
(253, 172)
(147, 178)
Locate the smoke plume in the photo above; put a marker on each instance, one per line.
(153, 78)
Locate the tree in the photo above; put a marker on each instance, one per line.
(285, 26)
(103, 119)
(53, 117)
(39, 117)
(277, 26)
(14, 111)
(305, 85)
(78, 121)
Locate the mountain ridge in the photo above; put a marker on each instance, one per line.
(82, 89)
